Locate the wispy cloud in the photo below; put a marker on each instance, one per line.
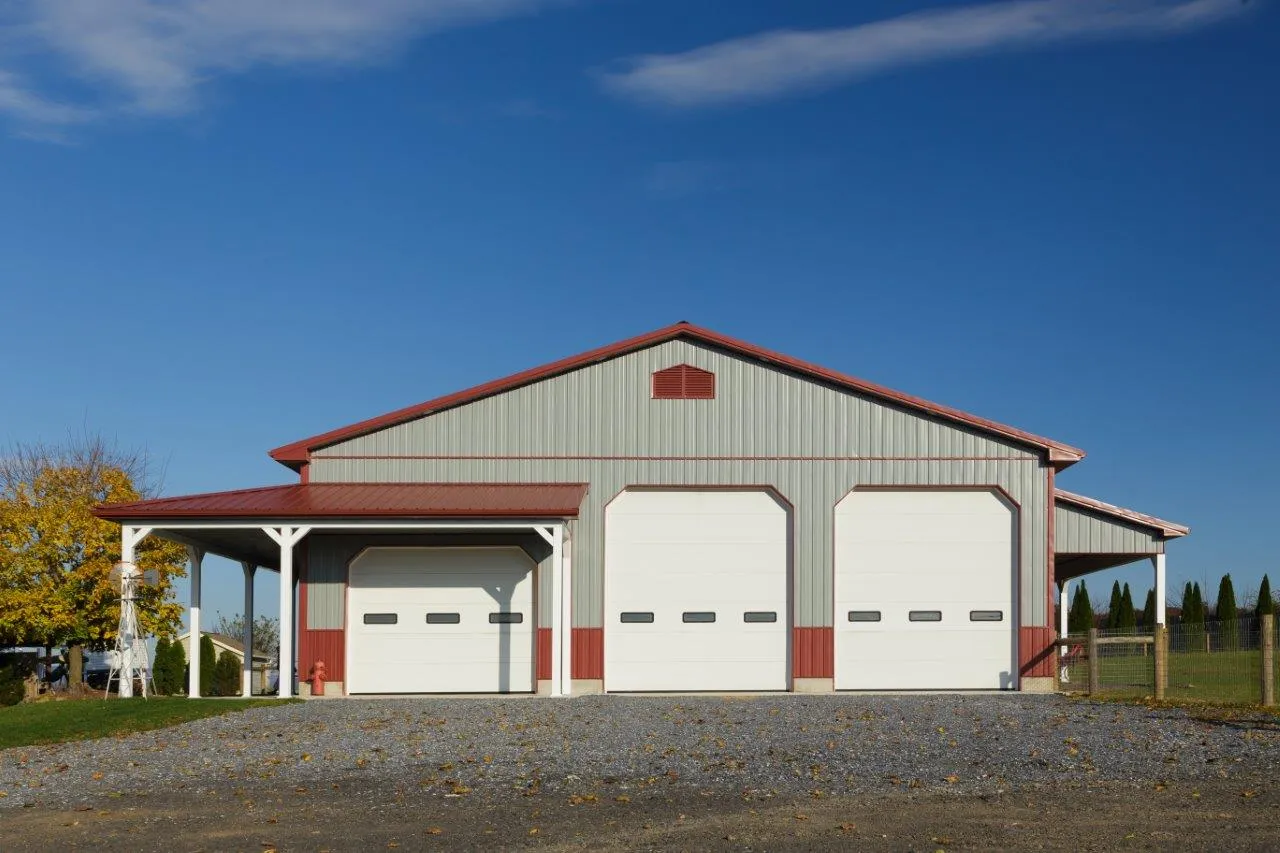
(153, 56)
(781, 62)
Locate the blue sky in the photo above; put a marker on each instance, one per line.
(227, 225)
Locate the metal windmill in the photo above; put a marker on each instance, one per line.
(130, 660)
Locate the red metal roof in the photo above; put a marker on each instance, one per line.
(297, 453)
(1166, 528)
(355, 500)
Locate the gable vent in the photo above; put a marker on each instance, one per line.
(684, 382)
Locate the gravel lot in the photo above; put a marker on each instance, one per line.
(612, 745)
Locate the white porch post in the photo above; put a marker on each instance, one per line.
(1158, 561)
(1064, 606)
(552, 535)
(566, 611)
(246, 687)
(286, 538)
(196, 556)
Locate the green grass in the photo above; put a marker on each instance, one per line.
(1200, 676)
(55, 722)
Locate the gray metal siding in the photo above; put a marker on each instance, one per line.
(1081, 531)
(811, 442)
(605, 409)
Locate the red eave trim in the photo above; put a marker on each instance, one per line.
(299, 452)
(1168, 529)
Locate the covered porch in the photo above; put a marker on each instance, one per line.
(1090, 536)
(265, 529)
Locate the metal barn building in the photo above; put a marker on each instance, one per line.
(674, 512)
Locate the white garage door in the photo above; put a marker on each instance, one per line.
(440, 620)
(695, 591)
(924, 584)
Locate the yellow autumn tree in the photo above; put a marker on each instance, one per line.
(56, 557)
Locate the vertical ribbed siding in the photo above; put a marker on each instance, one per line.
(607, 409)
(1082, 531)
(811, 442)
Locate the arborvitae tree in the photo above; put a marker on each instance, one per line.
(1113, 608)
(208, 661)
(1188, 603)
(1080, 617)
(1198, 598)
(169, 671)
(160, 675)
(1228, 614)
(1149, 611)
(226, 675)
(1266, 604)
(1127, 620)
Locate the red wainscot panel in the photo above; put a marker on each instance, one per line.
(812, 653)
(588, 653)
(1036, 651)
(542, 667)
(328, 645)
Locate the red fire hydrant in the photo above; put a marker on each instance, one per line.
(316, 677)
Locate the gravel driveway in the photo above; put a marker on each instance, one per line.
(613, 745)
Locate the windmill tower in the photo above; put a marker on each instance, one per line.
(129, 659)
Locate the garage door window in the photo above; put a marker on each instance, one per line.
(635, 618)
(380, 618)
(986, 615)
(443, 618)
(760, 616)
(925, 616)
(864, 615)
(506, 618)
(698, 616)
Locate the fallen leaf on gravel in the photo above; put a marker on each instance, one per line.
(1248, 793)
(306, 756)
(622, 798)
(1161, 786)
(847, 827)
(534, 830)
(801, 816)
(952, 779)
(434, 830)
(393, 843)
(97, 774)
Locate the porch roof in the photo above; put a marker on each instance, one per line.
(1091, 535)
(303, 501)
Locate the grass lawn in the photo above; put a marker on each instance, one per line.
(54, 722)
(1202, 676)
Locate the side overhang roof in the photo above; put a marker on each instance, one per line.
(1166, 529)
(297, 453)
(362, 500)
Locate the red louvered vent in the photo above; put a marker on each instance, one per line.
(684, 382)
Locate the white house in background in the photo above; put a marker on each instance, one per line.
(262, 662)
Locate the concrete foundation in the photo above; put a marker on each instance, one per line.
(814, 685)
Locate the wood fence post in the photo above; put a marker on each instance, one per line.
(1267, 627)
(1094, 680)
(1162, 660)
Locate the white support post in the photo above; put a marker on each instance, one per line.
(286, 538)
(1158, 561)
(1064, 606)
(246, 688)
(196, 557)
(566, 611)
